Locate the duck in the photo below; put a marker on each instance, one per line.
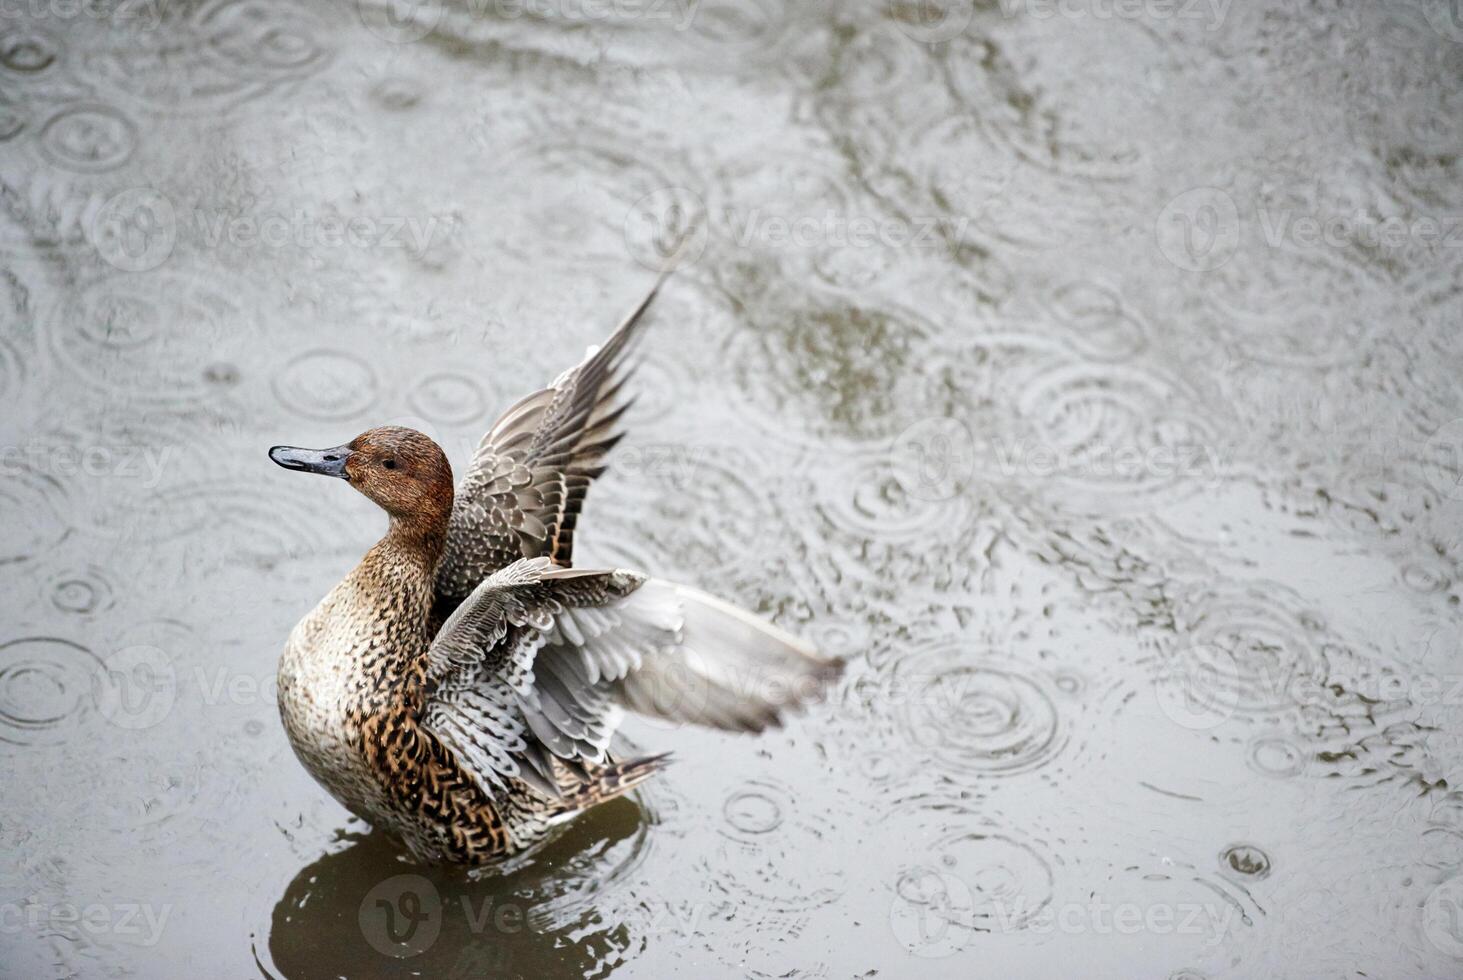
(460, 687)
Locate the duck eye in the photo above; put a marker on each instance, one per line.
(390, 464)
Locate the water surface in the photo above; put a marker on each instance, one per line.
(1087, 375)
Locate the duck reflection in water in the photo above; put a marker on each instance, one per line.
(362, 911)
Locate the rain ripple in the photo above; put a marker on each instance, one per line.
(975, 874)
(129, 335)
(972, 715)
(45, 689)
(218, 55)
(80, 591)
(329, 385)
(763, 830)
(849, 366)
(867, 497)
(44, 506)
(1020, 114)
(1256, 651)
(1113, 434)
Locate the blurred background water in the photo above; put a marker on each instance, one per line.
(1085, 372)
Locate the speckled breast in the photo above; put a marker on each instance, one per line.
(315, 699)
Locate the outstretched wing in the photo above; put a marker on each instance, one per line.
(539, 661)
(527, 480)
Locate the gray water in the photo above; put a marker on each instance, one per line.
(1085, 373)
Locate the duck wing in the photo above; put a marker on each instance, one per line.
(540, 661)
(527, 480)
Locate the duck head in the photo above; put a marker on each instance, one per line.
(402, 470)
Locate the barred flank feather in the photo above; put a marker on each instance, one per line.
(615, 780)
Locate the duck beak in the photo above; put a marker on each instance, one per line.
(327, 462)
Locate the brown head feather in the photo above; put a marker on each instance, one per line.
(404, 472)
